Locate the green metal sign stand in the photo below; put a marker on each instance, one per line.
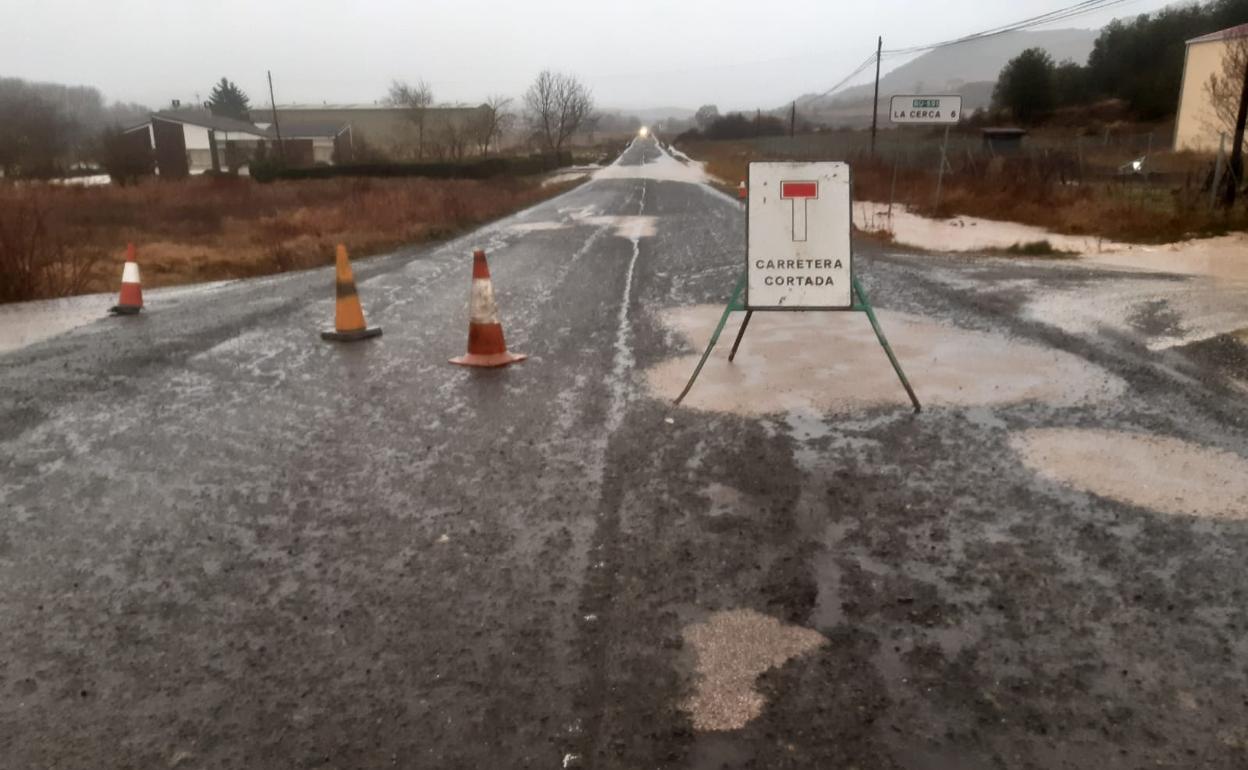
(861, 305)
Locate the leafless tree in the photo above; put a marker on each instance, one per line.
(1224, 87)
(452, 138)
(556, 106)
(492, 120)
(416, 99)
(705, 116)
(1228, 92)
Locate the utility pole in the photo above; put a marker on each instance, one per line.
(1237, 148)
(875, 103)
(793, 121)
(281, 148)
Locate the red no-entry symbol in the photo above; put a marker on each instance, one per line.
(795, 192)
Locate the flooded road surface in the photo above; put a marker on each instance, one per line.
(226, 543)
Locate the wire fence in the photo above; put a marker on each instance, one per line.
(1109, 152)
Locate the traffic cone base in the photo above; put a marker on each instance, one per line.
(124, 310)
(489, 361)
(349, 323)
(354, 336)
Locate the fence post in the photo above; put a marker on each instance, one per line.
(892, 190)
(940, 177)
(1217, 171)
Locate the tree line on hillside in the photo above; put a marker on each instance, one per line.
(1139, 61)
(709, 124)
(48, 128)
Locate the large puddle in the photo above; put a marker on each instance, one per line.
(967, 233)
(732, 649)
(1224, 257)
(1164, 474)
(25, 323)
(832, 362)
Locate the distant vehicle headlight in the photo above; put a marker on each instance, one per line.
(644, 132)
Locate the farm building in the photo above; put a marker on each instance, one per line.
(1197, 127)
(189, 142)
(390, 130)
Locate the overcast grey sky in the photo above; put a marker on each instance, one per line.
(633, 53)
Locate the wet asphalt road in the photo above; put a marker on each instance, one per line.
(226, 544)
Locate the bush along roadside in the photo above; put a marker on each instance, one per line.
(485, 168)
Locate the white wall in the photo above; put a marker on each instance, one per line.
(196, 137)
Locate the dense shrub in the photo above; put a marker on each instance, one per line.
(485, 168)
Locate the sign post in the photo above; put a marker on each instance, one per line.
(916, 109)
(926, 110)
(799, 256)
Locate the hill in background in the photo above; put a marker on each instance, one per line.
(970, 69)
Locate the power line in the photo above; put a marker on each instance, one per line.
(1060, 14)
(1079, 9)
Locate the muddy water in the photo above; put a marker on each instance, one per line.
(732, 649)
(968, 233)
(832, 362)
(1157, 472)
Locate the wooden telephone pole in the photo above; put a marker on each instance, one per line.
(277, 129)
(875, 103)
(1236, 171)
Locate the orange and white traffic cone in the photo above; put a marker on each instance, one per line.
(349, 323)
(485, 334)
(131, 300)
(741, 191)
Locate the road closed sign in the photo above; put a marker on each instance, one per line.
(797, 247)
(927, 109)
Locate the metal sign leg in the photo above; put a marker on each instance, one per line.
(733, 304)
(737, 343)
(879, 334)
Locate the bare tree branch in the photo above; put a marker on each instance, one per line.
(556, 106)
(492, 120)
(416, 100)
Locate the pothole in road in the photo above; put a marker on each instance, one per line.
(832, 362)
(732, 649)
(1162, 473)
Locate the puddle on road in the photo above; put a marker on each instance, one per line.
(536, 227)
(1199, 309)
(1161, 473)
(832, 362)
(665, 168)
(25, 323)
(732, 649)
(630, 227)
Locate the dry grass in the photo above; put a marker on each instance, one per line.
(1042, 189)
(211, 229)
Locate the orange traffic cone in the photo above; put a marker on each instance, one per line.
(485, 334)
(741, 191)
(349, 323)
(131, 300)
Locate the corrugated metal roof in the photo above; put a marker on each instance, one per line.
(1229, 33)
(297, 129)
(215, 122)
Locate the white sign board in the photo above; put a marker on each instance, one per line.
(798, 253)
(927, 109)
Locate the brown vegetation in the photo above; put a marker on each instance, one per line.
(1074, 192)
(58, 240)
